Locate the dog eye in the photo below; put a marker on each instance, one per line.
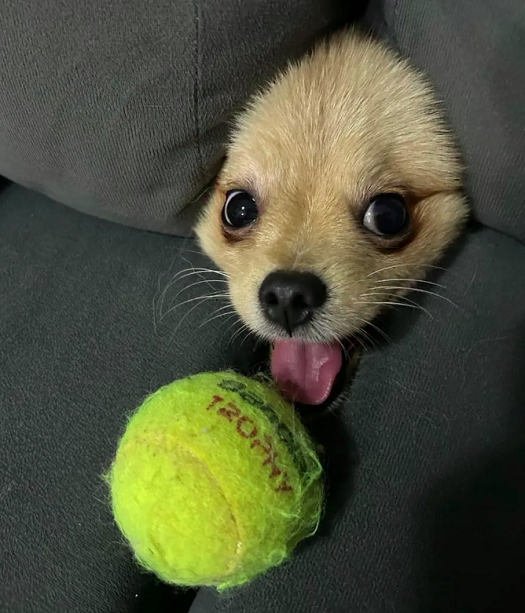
(386, 215)
(240, 209)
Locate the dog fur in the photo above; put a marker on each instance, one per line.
(349, 121)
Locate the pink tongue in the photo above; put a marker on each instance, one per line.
(306, 372)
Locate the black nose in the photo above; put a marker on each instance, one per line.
(291, 298)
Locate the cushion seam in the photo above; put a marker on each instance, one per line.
(196, 85)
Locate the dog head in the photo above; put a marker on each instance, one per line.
(342, 185)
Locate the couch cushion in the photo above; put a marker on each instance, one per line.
(474, 53)
(121, 108)
(81, 345)
(426, 462)
(427, 505)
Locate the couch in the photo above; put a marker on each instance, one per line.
(113, 118)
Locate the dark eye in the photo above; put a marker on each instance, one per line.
(240, 209)
(386, 215)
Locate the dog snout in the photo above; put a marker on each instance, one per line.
(291, 298)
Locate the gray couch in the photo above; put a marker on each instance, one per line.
(120, 110)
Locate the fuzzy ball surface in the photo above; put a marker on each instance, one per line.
(215, 481)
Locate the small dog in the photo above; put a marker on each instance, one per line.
(341, 187)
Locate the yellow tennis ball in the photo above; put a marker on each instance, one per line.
(215, 481)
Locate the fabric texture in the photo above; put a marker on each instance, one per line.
(121, 108)
(474, 54)
(426, 504)
(85, 335)
(426, 501)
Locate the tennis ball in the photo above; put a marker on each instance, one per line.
(215, 481)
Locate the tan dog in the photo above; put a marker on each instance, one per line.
(341, 187)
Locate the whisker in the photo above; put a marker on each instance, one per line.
(397, 300)
(345, 351)
(187, 272)
(356, 336)
(415, 289)
(231, 327)
(395, 280)
(258, 341)
(229, 317)
(204, 281)
(182, 274)
(238, 332)
(376, 272)
(191, 285)
(201, 299)
(217, 315)
(376, 328)
(323, 331)
(238, 327)
(207, 189)
(395, 304)
(416, 305)
(196, 273)
(367, 341)
(246, 337)
(185, 249)
(184, 317)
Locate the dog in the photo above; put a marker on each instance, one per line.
(341, 188)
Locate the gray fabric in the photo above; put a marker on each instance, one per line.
(474, 53)
(431, 515)
(120, 108)
(427, 506)
(78, 350)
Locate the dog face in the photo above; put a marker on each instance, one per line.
(341, 187)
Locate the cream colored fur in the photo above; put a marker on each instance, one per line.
(350, 121)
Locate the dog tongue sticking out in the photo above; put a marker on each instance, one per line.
(306, 372)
